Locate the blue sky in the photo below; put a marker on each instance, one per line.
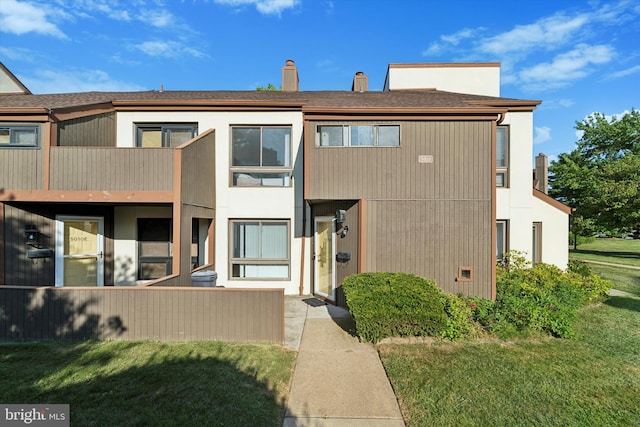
(578, 57)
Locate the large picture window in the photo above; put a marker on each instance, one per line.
(15, 136)
(502, 156)
(260, 249)
(358, 135)
(164, 135)
(260, 156)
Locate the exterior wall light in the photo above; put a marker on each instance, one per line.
(32, 235)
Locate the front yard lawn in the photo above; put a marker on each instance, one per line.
(593, 379)
(151, 383)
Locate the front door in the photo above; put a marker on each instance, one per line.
(324, 255)
(79, 251)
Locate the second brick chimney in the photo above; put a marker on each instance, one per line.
(290, 80)
(541, 174)
(360, 82)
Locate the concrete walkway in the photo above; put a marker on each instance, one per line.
(337, 381)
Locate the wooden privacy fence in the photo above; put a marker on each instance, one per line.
(142, 313)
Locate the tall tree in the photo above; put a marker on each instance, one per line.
(600, 178)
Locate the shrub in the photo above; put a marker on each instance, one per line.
(459, 323)
(542, 298)
(394, 304)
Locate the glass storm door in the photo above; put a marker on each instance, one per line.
(79, 251)
(324, 256)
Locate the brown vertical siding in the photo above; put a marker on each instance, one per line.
(432, 239)
(461, 153)
(111, 169)
(198, 171)
(21, 169)
(427, 218)
(138, 313)
(92, 131)
(21, 271)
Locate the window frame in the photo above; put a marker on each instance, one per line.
(347, 134)
(504, 245)
(281, 172)
(260, 260)
(503, 169)
(164, 128)
(155, 259)
(13, 127)
(536, 245)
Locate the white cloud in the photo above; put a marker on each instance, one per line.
(159, 18)
(545, 33)
(167, 49)
(23, 17)
(624, 73)
(565, 67)
(465, 33)
(68, 81)
(451, 40)
(541, 134)
(266, 7)
(434, 48)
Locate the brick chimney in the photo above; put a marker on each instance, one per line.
(290, 81)
(541, 174)
(360, 82)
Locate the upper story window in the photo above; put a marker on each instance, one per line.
(358, 135)
(260, 156)
(502, 156)
(164, 135)
(14, 135)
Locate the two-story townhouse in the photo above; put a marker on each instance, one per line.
(290, 189)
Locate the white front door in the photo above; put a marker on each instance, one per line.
(325, 259)
(79, 251)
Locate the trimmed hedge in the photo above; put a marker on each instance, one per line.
(394, 304)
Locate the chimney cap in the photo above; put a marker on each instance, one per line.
(290, 62)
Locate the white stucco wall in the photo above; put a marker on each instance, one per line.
(242, 202)
(518, 205)
(555, 233)
(477, 80)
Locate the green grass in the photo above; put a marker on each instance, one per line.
(623, 279)
(151, 383)
(592, 380)
(617, 251)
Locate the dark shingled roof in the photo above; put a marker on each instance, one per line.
(401, 99)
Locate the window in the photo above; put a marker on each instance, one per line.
(501, 239)
(260, 249)
(15, 136)
(465, 274)
(154, 248)
(260, 156)
(358, 135)
(164, 135)
(536, 249)
(502, 156)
